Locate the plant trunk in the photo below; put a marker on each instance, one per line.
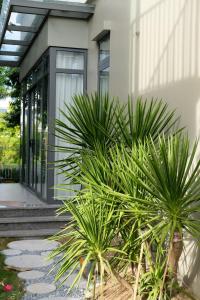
(175, 253)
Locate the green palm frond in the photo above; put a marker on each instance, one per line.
(146, 119)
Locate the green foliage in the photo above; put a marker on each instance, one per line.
(12, 117)
(9, 144)
(9, 277)
(10, 86)
(140, 193)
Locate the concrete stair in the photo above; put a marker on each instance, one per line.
(31, 221)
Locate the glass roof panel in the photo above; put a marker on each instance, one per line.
(18, 35)
(56, 1)
(21, 19)
(12, 48)
(9, 58)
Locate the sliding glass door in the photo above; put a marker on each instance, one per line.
(35, 129)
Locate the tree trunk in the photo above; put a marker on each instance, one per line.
(175, 253)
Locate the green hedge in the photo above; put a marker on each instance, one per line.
(9, 173)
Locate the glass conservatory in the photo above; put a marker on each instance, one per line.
(58, 74)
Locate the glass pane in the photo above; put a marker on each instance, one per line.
(104, 47)
(18, 35)
(38, 72)
(13, 48)
(9, 58)
(67, 85)
(104, 81)
(69, 60)
(26, 139)
(44, 139)
(38, 137)
(21, 19)
(36, 131)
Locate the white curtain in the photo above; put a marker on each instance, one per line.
(67, 85)
(70, 60)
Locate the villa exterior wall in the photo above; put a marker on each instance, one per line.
(165, 63)
(113, 15)
(165, 43)
(64, 32)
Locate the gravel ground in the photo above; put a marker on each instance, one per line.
(63, 291)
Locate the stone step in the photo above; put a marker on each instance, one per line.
(28, 233)
(31, 223)
(46, 210)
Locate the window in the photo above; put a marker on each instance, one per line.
(70, 80)
(104, 64)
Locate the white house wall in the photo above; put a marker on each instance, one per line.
(165, 56)
(113, 15)
(64, 32)
(165, 63)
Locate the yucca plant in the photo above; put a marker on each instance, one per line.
(146, 118)
(89, 124)
(139, 192)
(171, 171)
(95, 123)
(90, 239)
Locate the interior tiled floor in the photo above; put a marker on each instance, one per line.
(15, 195)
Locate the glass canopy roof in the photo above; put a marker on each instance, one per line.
(21, 20)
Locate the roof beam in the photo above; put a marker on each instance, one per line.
(26, 10)
(22, 28)
(8, 63)
(16, 42)
(11, 53)
(58, 5)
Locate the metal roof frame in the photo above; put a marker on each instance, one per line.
(45, 9)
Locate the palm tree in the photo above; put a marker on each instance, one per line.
(170, 175)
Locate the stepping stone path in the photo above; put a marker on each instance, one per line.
(27, 262)
(11, 252)
(30, 257)
(31, 275)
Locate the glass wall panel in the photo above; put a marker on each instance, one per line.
(34, 165)
(38, 137)
(44, 139)
(69, 60)
(68, 83)
(104, 81)
(104, 64)
(104, 49)
(26, 140)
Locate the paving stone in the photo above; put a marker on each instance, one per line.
(11, 252)
(33, 245)
(40, 288)
(27, 262)
(30, 275)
